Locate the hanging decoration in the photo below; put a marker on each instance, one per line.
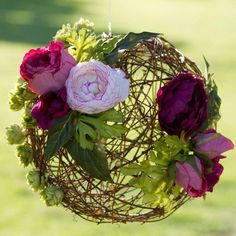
(116, 128)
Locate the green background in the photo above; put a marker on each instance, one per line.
(196, 27)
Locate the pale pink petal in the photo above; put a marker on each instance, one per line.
(93, 87)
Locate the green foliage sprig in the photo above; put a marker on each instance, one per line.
(155, 176)
(81, 135)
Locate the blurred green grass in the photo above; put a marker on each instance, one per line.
(196, 28)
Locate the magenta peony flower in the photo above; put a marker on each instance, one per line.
(190, 179)
(213, 173)
(50, 106)
(197, 182)
(47, 68)
(182, 104)
(212, 144)
(93, 87)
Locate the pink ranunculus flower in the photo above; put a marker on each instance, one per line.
(93, 87)
(47, 68)
(212, 144)
(190, 179)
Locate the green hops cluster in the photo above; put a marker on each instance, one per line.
(35, 180)
(20, 95)
(27, 120)
(16, 103)
(25, 154)
(52, 196)
(23, 91)
(15, 134)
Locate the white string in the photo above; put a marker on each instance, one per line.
(109, 19)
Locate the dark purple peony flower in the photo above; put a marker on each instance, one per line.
(50, 106)
(182, 104)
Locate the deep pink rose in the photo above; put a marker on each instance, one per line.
(47, 68)
(182, 104)
(50, 106)
(212, 144)
(190, 179)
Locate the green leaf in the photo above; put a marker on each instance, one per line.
(149, 198)
(149, 185)
(59, 134)
(154, 172)
(180, 157)
(111, 115)
(174, 143)
(131, 169)
(214, 102)
(129, 41)
(103, 129)
(94, 162)
(172, 170)
(136, 182)
(85, 135)
(105, 45)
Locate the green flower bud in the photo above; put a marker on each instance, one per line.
(15, 102)
(15, 134)
(83, 24)
(35, 180)
(52, 196)
(25, 154)
(64, 33)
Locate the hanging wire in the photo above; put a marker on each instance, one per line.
(109, 19)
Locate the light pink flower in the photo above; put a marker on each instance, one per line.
(47, 68)
(212, 144)
(93, 87)
(190, 179)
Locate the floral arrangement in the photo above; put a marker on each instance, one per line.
(116, 128)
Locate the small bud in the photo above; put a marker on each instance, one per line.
(35, 180)
(15, 134)
(52, 196)
(25, 154)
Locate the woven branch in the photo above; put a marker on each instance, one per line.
(147, 66)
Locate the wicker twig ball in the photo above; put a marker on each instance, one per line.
(146, 65)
